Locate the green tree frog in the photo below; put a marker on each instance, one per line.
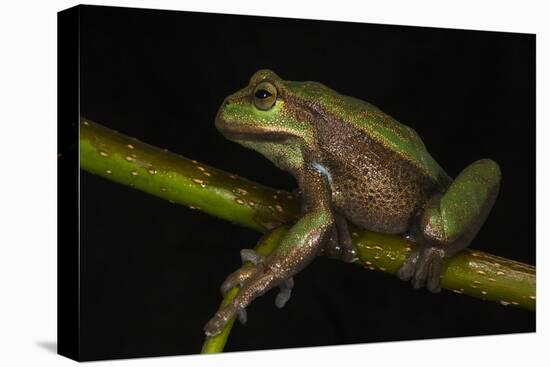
(352, 162)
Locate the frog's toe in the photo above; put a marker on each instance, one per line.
(237, 278)
(334, 252)
(421, 271)
(216, 323)
(406, 271)
(242, 316)
(409, 236)
(433, 283)
(349, 254)
(333, 249)
(282, 298)
(252, 256)
(284, 293)
(434, 275)
(341, 250)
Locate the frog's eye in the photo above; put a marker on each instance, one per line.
(265, 95)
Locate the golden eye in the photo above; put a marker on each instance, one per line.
(265, 95)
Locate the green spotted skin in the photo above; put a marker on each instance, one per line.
(352, 162)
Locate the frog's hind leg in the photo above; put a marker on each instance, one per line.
(450, 222)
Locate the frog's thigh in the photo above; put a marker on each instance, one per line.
(450, 222)
(298, 248)
(454, 220)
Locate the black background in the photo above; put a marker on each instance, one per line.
(151, 270)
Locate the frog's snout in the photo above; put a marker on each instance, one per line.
(225, 103)
(220, 122)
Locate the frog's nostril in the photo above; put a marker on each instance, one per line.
(227, 102)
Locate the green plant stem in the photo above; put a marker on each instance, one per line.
(183, 181)
(130, 162)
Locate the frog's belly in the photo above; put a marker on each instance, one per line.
(383, 201)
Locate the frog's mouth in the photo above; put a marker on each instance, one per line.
(238, 131)
(253, 135)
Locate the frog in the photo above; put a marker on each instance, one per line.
(353, 163)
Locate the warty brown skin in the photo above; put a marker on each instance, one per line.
(373, 187)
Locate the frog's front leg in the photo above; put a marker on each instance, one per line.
(450, 222)
(340, 245)
(297, 249)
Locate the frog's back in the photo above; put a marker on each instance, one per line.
(373, 122)
(399, 138)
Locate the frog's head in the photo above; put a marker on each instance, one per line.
(267, 116)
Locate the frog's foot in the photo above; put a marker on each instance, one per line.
(424, 267)
(349, 253)
(220, 319)
(239, 278)
(409, 236)
(341, 250)
(258, 284)
(333, 249)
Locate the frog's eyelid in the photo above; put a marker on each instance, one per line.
(268, 82)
